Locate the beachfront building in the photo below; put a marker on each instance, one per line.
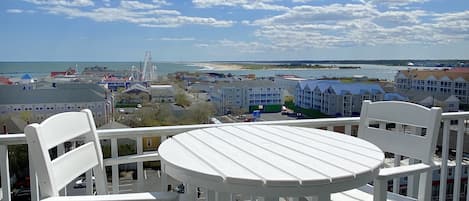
(288, 82)
(335, 98)
(436, 84)
(35, 102)
(245, 95)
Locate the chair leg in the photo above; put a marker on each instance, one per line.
(380, 190)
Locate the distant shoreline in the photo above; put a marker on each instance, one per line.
(251, 66)
(220, 66)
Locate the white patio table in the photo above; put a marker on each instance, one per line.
(270, 161)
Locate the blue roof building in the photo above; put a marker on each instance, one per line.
(336, 98)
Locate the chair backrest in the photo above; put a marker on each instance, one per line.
(417, 145)
(53, 175)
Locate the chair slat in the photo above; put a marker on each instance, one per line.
(65, 168)
(64, 127)
(390, 141)
(399, 112)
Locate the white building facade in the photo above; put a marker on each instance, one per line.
(335, 98)
(438, 83)
(240, 95)
(36, 104)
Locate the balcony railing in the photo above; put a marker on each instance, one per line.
(453, 130)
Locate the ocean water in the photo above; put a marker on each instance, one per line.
(43, 69)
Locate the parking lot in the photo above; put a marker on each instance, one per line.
(248, 117)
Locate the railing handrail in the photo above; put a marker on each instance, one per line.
(155, 131)
(12, 139)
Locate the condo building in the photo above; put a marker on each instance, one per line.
(245, 95)
(435, 85)
(335, 98)
(35, 102)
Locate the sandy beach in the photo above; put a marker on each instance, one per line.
(220, 66)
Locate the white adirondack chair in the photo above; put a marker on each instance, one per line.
(54, 174)
(400, 143)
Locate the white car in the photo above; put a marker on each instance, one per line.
(81, 183)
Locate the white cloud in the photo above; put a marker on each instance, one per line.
(344, 25)
(301, 1)
(177, 39)
(107, 3)
(321, 14)
(246, 4)
(263, 6)
(18, 11)
(244, 47)
(137, 5)
(75, 3)
(396, 18)
(161, 2)
(202, 45)
(14, 11)
(143, 16)
(395, 3)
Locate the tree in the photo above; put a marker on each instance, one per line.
(181, 99)
(26, 116)
(289, 98)
(200, 113)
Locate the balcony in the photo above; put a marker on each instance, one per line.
(451, 177)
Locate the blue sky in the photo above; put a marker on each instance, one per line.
(207, 30)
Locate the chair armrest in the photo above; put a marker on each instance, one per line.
(154, 196)
(146, 156)
(400, 171)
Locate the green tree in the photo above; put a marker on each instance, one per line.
(26, 116)
(181, 99)
(199, 113)
(289, 99)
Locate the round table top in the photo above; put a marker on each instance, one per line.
(269, 156)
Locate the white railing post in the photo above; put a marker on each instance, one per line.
(444, 160)
(396, 183)
(89, 182)
(5, 172)
(140, 177)
(33, 184)
(458, 169)
(413, 180)
(348, 129)
(163, 175)
(115, 168)
(330, 128)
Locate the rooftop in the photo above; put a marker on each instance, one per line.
(452, 74)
